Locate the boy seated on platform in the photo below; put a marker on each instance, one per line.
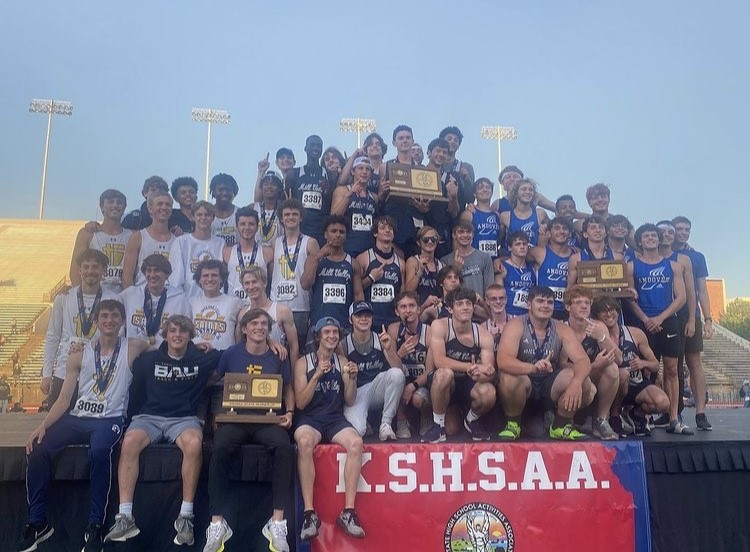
(102, 371)
(164, 397)
(324, 382)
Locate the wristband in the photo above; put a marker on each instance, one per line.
(603, 339)
(290, 411)
(708, 319)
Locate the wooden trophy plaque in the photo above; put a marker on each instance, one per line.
(251, 399)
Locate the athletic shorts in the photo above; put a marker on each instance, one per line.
(695, 344)
(667, 342)
(634, 390)
(462, 386)
(327, 427)
(541, 386)
(160, 428)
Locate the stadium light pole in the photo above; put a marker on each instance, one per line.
(499, 133)
(357, 125)
(210, 116)
(49, 107)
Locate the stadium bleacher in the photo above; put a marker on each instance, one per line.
(32, 269)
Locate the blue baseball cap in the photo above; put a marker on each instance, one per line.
(326, 321)
(360, 307)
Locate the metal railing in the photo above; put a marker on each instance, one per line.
(49, 295)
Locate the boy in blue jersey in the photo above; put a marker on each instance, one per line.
(703, 328)
(525, 214)
(661, 293)
(324, 382)
(551, 262)
(516, 274)
(484, 219)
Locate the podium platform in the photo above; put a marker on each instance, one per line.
(698, 487)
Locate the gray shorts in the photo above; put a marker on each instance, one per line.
(160, 428)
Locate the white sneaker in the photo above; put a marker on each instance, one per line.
(386, 432)
(275, 532)
(216, 535)
(403, 431)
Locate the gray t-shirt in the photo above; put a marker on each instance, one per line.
(477, 271)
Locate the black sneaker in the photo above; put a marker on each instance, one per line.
(640, 426)
(435, 434)
(621, 425)
(702, 423)
(310, 525)
(33, 534)
(349, 522)
(93, 539)
(476, 430)
(661, 421)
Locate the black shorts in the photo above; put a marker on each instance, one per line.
(695, 344)
(634, 390)
(541, 386)
(668, 341)
(462, 386)
(327, 427)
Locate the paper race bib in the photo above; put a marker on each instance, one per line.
(521, 298)
(636, 376)
(334, 293)
(382, 293)
(558, 293)
(414, 370)
(488, 246)
(312, 200)
(286, 291)
(91, 408)
(361, 223)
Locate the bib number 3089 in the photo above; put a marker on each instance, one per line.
(94, 409)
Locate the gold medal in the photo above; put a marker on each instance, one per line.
(151, 340)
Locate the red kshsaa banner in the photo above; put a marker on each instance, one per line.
(489, 497)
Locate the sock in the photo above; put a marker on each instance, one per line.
(471, 416)
(560, 421)
(516, 419)
(186, 509)
(127, 509)
(439, 419)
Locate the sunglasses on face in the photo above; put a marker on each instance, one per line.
(429, 239)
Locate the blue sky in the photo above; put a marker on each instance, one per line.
(649, 97)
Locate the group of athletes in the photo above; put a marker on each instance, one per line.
(411, 318)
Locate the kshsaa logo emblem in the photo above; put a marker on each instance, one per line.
(478, 527)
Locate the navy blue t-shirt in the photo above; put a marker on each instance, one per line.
(237, 360)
